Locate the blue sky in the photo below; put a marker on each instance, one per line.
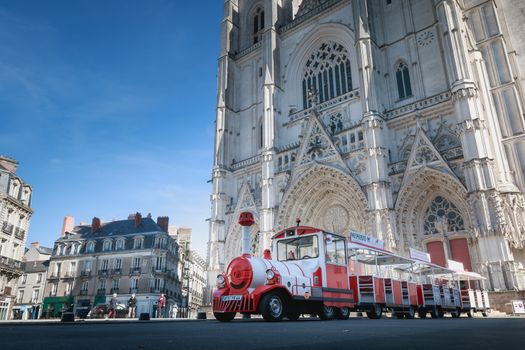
(108, 105)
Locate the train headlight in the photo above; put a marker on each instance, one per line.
(220, 281)
(270, 275)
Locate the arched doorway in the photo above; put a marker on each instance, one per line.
(327, 198)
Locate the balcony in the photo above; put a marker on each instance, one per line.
(85, 273)
(101, 291)
(83, 292)
(134, 271)
(116, 272)
(19, 233)
(103, 272)
(10, 267)
(114, 290)
(133, 290)
(159, 270)
(69, 274)
(54, 276)
(7, 228)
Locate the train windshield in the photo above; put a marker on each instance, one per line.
(298, 248)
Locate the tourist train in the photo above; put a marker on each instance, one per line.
(329, 275)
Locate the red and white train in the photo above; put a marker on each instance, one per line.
(321, 273)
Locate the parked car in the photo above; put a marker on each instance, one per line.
(102, 311)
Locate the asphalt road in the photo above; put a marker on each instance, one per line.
(356, 333)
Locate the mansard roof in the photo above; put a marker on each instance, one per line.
(35, 266)
(115, 228)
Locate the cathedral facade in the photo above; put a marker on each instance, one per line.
(402, 119)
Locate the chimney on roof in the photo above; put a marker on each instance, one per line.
(138, 219)
(35, 244)
(67, 225)
(95, 225)
(163, 222)
(9, 164)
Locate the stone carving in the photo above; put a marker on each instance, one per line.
(336, 219)
(514, 211)
(309, 5)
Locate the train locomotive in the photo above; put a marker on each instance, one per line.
(320, 273)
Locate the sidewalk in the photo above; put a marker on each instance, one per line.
(92, 321)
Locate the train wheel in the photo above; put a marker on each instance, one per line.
(399, 315)
(455, 314)
(327, 313)
(441, 313)
(342, 313)
(272, 307)
(375, 313)
(422, 314)
(293, 316)
(434, 313)
(484, 313)
(469, 314)
(224, 316)
(411, 313)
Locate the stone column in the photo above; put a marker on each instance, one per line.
(484, 176)
(377, 184)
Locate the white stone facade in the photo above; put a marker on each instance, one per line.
(400, 118)
(15, 215)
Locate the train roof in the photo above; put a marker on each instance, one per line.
(298, 231)
(377, 256)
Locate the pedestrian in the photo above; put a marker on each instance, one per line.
(175, 311)
(113, 306)
(161, 305)
(132, 306)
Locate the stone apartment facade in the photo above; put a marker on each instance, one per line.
(31, 285)
(403, 119)
(15, 215)
(91, 262)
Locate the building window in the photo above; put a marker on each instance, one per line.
(105, 264)
(106, 246)
(120, 244)
(327, 74)
(34, 297)
(84, 287)
(134, 284)
(61, 249)
(403, 81)
(258, 25)
(114, 285)
(118, 264)
(87, 265)
(53, 290)
(102, 284)
(76, 248)
(20, 296)
(39, 278)
(137, 243)
(442, 216)
(24, 279)
(157, 285)
(69, 288)
(90, 247)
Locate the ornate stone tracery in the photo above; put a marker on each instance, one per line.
(325, 197)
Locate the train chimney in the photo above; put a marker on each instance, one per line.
(246, 220)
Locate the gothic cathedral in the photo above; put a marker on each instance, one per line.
(402, 119)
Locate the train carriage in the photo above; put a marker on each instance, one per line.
(321, 273)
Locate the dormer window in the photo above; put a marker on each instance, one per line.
(90, 247)
(120, 244)
(258, 25)
(106, 245)
(138, 242)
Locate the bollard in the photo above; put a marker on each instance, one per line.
(144, 316)
(67, 317)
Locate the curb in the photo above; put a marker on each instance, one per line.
(96, 321)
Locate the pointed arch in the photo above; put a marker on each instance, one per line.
(325, 197)
(417, 195)
(310, 42)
